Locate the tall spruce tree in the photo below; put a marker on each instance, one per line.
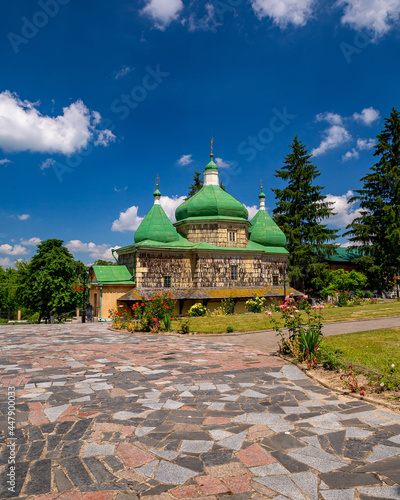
(197, 184)
(300, 208)
(376, 232)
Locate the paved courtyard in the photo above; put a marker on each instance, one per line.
(107, 415)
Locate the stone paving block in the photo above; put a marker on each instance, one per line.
(239, 484)
(98, 470)
(76, 471)
(338, 480)
(133, 456)
(274, 469)
(55, 412)
(392, 493)
(307, 483)
(173, 474)
(234, 442)
(40, 481)
(94, 449)
(195, 446)
(148, 469)
(254, 456)
(282, 485)
(61, 480)
(381, 452)
(338, 494)
(211, 485)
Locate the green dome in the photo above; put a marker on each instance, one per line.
(261, 195)
(211, 201)
(265, 232)
(156, 227)
(211, 165)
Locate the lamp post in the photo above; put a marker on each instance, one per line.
(78, 272)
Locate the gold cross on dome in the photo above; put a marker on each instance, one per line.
(157, 179)
(261, 184)
(212, 145)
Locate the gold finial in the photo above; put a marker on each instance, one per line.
(212, 146)
(157, 179)
(261, 184)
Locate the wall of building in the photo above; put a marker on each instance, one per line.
(110, 295)
(216, 233)
(153, 266)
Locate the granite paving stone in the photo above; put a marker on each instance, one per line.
(103, 414)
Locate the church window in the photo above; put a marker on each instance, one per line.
(167, 281)
(232, 236)
(275, 280)
(234, 273)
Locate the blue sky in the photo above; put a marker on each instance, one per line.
(98, 97)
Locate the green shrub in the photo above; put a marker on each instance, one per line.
(197, 310)
(229, 329)
(228, 305)
(255, 304)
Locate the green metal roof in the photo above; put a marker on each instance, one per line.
(265, 231)
(156, 227)
(113, 275)
(343, 254)
(211, 201)
(211, 165)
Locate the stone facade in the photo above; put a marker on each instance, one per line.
(221, 234)
(204, 269)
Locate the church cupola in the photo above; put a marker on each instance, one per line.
(211, 173)
(261, 197)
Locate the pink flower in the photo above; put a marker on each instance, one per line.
(268, 313)
(305, 296)
(291, 316)
(287, 297)
(362, 393)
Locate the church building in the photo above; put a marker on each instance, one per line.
(211, 252)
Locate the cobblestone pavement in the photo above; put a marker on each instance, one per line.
(106, 415)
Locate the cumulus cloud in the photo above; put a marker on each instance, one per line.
(4, 161)
(125, 70)
(222, 163)
(252, 210)
(345, 212)
(362, 145)
(185, 160)
(332, 118)
(32, 242)
(13, 250)
(95, 251)
(205, 23)
(284, 12)
(335, 136)
(162, 12)
(24, 217)
(367, 116)
(170, 204)
(5, 262)
(127, 221)
(47, 163)
(377, 16)
(24, 128)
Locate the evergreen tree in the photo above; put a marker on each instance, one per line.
(376, 232)
(197, 184)
(300, 208)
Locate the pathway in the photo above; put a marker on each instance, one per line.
(113, 416)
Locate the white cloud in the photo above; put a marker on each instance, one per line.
(284, 12)
(5, 262)
(125, 70)
(377, 16)
(47, 163)
(96, 251)
(162, 12)
(127, 221)
(363, 144)
(331, 118)
(350, 155)
(170, 204)
(24, 217)
(367, 116)
(222, 163)
(345, 212)
(335, 136)
(185, 160)
(4, 161)
(252, 210)
(13, 250)
(24, 128)
(32, 242)
(205, 23)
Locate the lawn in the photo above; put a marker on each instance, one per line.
(251, 322)
(373, 352)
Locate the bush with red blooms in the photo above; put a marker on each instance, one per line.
(154, 311)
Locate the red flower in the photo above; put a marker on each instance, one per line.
(142, 304)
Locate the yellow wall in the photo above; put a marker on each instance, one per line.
(110, 295)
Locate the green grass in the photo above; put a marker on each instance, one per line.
(250, 322)
(373, 351)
